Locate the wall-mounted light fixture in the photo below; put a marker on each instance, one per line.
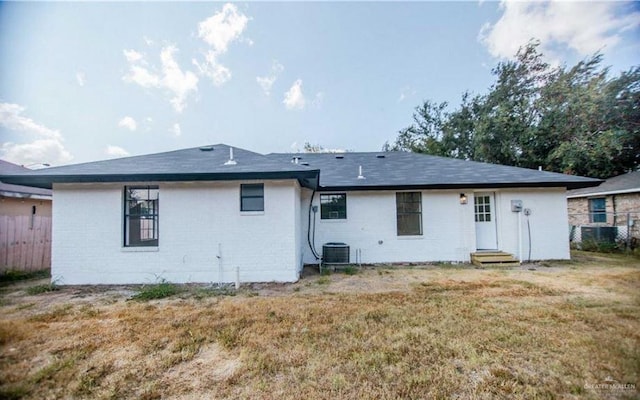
(463, 198)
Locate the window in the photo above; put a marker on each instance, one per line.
(409, 213)
(333, 206)
(141, 216)
(597, 210)
(483, 208)
(252, 197)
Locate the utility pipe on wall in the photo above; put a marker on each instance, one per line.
(520, 237)
(219, 263)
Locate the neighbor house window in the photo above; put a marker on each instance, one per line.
(252, 197)
(141, 216)
(333, 206)
(409, 213)
(597, 210)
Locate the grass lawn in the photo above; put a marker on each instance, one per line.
(564, 330)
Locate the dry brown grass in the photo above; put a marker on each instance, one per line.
(383, 333)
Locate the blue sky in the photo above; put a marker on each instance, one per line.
(88, 81)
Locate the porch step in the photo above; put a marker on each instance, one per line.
(494, 258)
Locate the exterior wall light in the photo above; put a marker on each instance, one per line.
(463, 198)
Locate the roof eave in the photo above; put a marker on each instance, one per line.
(306, 178)
(604, 193)
(502, 185)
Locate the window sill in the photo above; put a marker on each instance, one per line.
(410, 237)
(249, 213)
(334, 220)
(140, 249)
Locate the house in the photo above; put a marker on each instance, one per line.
(206, 214)
(614, 203)
(25, 224)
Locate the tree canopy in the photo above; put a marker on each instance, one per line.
(574, 120)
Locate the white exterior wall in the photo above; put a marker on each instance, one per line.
(548, 221)
(448, 227)
(195, 221)
(371, 219)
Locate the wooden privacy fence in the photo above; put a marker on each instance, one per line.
(25, 243)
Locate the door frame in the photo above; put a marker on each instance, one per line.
(492, 212)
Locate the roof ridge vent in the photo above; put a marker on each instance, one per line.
(231, 161)
(296, 159)
(206, 148)
(360, 176)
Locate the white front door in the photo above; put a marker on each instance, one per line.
(486, 234)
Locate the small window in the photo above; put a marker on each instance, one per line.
(483, 208)
(252, 197)
(141, 216)
(409, 213)
(333, 206)
(597, 210)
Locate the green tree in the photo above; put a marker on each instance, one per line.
(575, 120)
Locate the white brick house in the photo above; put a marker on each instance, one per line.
(202, 214)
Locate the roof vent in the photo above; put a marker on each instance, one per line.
(360, 176)
(231, 161)
(339, 156)
(206, 148)
(304, 163)
(380, 156)
(296, 159)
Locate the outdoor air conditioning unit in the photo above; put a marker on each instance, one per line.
(599, 234)
(335, 253)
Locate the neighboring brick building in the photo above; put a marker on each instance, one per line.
(611, 203)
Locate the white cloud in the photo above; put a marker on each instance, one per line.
(585, 27)
(171, 78)
(115, 151)
(141, 76)
(211, 68)
(294, 98)
(50, 151)
(46, 146)
(219, 31)
(406, 92)
(178, 82)
(11, 118)
(128, 123)
(81, 78)
(176, 130)
(222, 28)
(133, 56)
(266, 82)
(317, 101)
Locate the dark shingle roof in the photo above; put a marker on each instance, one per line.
(198, 163)
(626, 183)
(389, 170)
(403, 169)
(18, 190)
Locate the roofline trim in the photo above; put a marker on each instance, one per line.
(513, 185)
(605, 193)
(307, 178)
(24, 195)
